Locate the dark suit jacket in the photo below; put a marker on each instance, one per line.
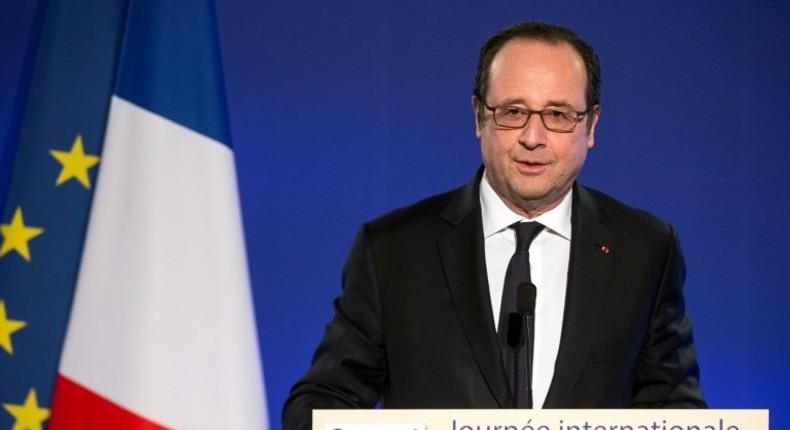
(414, 328)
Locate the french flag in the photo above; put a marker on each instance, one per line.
(161, 332)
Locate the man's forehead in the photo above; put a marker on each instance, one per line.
(539, 52)
(524, 63)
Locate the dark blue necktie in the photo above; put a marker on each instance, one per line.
(514, 359)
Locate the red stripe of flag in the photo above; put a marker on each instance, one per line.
(77, 407)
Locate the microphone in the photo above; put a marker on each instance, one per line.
(525, 305)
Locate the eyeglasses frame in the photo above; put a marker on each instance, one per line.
(580, 117)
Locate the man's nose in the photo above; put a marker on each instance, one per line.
(534, 132)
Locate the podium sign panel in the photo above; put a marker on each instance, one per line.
(548, 419)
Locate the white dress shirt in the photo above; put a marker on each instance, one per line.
(549, 254)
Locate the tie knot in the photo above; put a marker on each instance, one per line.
(525, 233)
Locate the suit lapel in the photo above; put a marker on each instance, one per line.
(463, 257)
(588, 273)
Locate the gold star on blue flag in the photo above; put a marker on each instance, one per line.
(7, 328)
(75, 163)
(16, 236)
(29, 415)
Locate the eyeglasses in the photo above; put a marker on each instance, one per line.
(558, 119)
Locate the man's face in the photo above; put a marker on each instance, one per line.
(532, 168)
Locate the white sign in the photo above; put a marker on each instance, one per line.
(547, 419)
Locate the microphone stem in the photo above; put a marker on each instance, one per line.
(528, 353)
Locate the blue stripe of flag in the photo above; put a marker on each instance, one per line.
(179, 58)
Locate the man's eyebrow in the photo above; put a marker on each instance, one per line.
(558, 103)
(550, 103)
(514, 101)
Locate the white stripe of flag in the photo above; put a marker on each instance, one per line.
(162, 322)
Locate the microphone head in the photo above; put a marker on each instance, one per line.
(525, 299)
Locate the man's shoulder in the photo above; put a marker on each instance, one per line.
(618, 212)
(426, 212)
(431, 214)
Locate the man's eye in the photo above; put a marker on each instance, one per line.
(512, 111)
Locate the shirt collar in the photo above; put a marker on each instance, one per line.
(497, 216)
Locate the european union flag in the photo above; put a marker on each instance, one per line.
(43, 223)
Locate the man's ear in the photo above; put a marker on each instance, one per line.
(594, 115)
(478, 125)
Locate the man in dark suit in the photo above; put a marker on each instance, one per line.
(416, 325)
